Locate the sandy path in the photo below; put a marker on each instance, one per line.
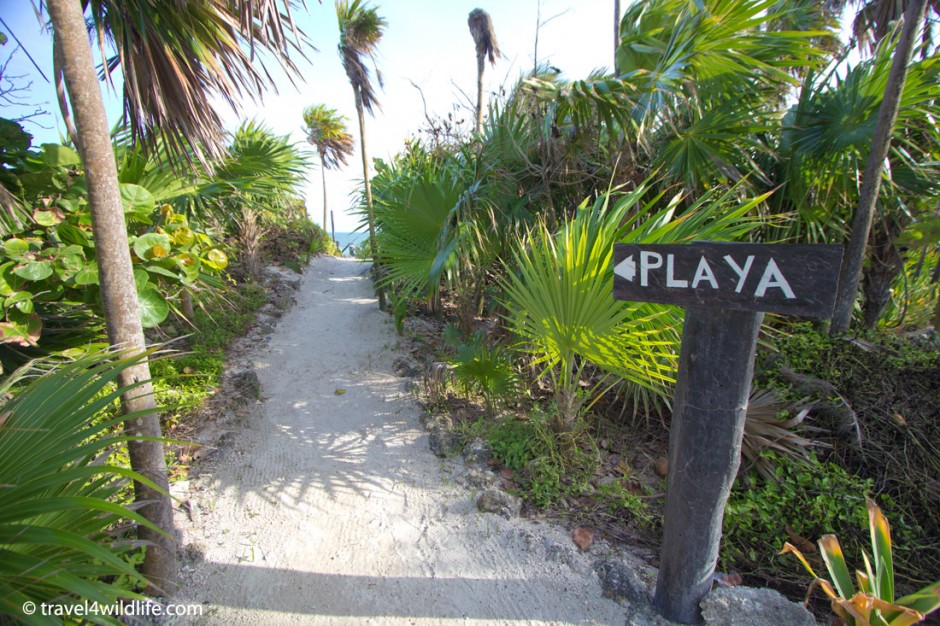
(330, 509)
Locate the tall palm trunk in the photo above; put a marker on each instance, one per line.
(616, 34)
(323, 177)
(481, 63)
(851, 274)
(119, 295)
(376, 275)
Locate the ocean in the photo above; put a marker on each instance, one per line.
(344, 239)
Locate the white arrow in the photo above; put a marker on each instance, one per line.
(626, 268)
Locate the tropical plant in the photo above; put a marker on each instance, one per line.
(485, 368)
(60, 519)
(851, 273)
(772, 424)
(326, 129)
(360, 29)
(172, 56)
(484, 38)
(874, 603)
(558, 290)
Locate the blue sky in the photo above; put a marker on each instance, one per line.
(427, 42)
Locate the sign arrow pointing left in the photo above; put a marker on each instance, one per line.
(626, 268)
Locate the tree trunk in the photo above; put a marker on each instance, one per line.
(851, 273)
(326, 228)
(886, 263)
(118, 292)
(370, 212)
(616, 34)
(481, 63)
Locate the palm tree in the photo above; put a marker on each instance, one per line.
(851, 273)
(360, 29)
(481, 28)
(326, 129)
(173, 56)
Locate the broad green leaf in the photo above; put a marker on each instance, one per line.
(9, 283)
(58, 155)
(15, 247)
(215, 259)
(926, 601)
(183, 236)
(152, 246)
(153, 307)
(881, 547)
(34, 270)
(22, 329)
(22, 300)
(73, 235)
(141, 278)
(832, 555)
(136, 199)
(48, 218)
(87, 276)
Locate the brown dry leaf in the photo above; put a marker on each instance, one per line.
(583, 537)
(661, 466)
(803, 544)
(728, 580)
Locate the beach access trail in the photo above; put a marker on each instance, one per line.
(322, 504)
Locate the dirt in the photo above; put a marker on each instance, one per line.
(322, 504)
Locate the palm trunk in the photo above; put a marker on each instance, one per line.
(370, 212)
(871, 183)
(481, 63)
(326, 228)
(119, 295)
(616, 34)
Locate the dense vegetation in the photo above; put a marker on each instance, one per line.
(725, 120)
(737, 122)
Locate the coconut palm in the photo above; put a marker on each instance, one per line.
(326, 129)
(481, 28)
(173, 56)
(360, 29)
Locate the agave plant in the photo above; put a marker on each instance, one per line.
(58, 514)
(559, 290)
(874, 603)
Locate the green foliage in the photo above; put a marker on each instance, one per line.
(57, 510)
(803, 500)
(486, 369)
(558, 293)
(875, 603)
(548, 465)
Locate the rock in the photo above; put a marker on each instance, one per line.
(433, 421)
(477, 452)
(499, 502)
(443, 442)
(245, 384)
(746, 606)
(270, 310)
(643, 614)
(583, 537)
(406, 367)
(624, 581)
(479, 479)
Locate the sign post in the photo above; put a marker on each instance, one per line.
(725, 288)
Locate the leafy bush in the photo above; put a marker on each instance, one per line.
(57, 492)
(486, 369)
(803, 500)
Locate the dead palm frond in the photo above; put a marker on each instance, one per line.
(771, 425)
(484, 36)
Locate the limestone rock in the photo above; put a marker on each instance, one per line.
(477, 452)
(499, 502)
(443, 442)
(746, 606)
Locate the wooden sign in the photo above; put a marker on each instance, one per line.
(725, 288)
(790, 279)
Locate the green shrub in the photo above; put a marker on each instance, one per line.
(806, 500)
(59, 488)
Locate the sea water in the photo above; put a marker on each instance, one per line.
(343, 240)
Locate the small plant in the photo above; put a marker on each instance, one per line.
(485, 369)
(874, 604)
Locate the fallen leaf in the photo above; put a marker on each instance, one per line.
(661, 466)
(583, 537)
(802, 543)
(340, 392)
(728, 580)
(505, 473)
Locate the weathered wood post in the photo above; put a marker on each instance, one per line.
(725, 289)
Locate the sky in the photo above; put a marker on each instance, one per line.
(427, 42)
